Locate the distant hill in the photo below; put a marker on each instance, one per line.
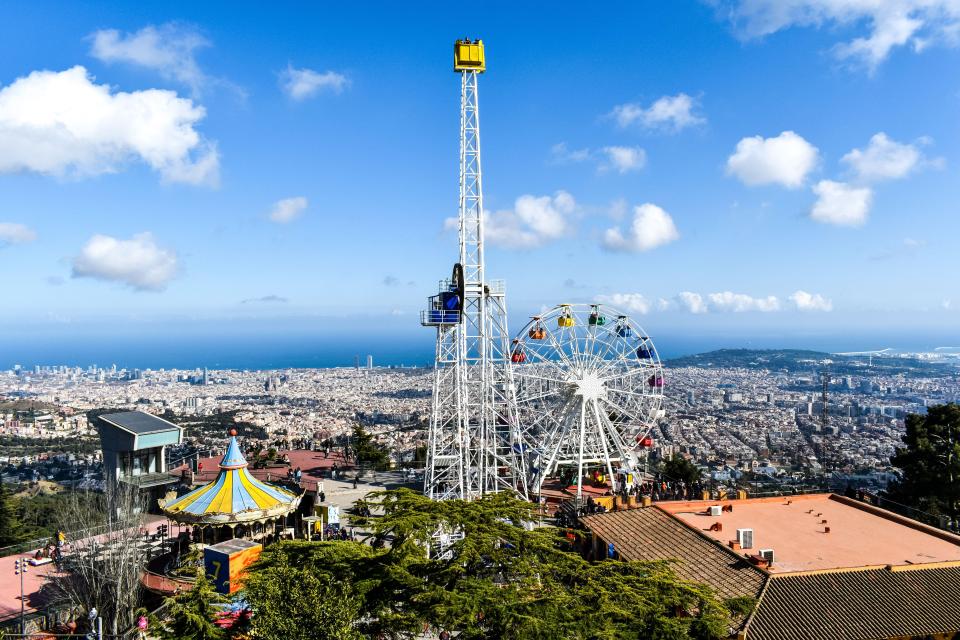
(801, 360)
(772, 359)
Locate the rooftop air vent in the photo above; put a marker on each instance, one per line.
(716, 510)
(745, 538)
(767, 554)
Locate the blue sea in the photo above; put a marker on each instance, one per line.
(266, 350)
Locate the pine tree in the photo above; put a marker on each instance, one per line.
(499, 580)
(930, 462)
(10, 526)
(190, 615)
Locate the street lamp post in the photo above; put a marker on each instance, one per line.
(20, 568)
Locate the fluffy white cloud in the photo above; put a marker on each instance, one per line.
(883, 159)
(288, 209)
(890, 23)
(804, 301)
(651, 228)
(15, 233)
(168, 49)
(534, 220)
(624, 159)
(740, 302)
(692, 302)
(137, 262)
(669, 112)
(841, 204)
(632, 302)
(560, 153)
(785, 160)
(300, 84)
(62, 123)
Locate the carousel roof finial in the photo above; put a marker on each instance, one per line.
(233, 458)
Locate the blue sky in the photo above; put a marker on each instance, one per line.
(738, 168)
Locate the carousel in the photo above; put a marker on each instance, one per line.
(234, 505)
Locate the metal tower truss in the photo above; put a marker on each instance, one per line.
(474, 445)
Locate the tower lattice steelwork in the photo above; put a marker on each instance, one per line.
(474, 446)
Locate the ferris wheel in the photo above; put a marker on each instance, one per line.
(589, 388)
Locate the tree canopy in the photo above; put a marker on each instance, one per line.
(10, 526)
(190, 615)
(500, 579)
(679, 468)
(930, 462)
(367, 450)
(300, 603)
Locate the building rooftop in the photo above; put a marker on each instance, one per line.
(138, 422)
(902, 602)
(651, 534)
(795, 527)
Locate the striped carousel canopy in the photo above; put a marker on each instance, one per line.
(234, 496)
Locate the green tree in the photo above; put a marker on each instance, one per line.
(10, 527)
(190, 615)
(367, 450)
(930, 462)
(499, 580)
(300, 603)
(679, 468)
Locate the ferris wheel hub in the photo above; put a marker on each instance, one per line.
(588, 385)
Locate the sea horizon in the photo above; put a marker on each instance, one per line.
(265, 353)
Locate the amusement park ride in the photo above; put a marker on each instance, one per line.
(579, 388)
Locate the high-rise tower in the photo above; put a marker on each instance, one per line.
(474, 445)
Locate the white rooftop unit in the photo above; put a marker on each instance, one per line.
(767, 554)
(716, 510)
(745, 538)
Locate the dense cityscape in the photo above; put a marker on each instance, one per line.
(755, 419)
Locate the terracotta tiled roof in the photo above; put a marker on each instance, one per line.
(859, 604)
(651, 534)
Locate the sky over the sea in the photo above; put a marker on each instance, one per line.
(728, 165)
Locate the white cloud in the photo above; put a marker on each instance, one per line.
(15, 233)
(890, 23)
(692, 302)
(288, 209)
(740, 302)
(625, 159)
(137, 262)
(883, 159)
(168, 49)
(651, 228)
(632, 302)
(300, 84)
(804, 301)
(841, 204)
(785, 160)
(534, 221)
(62, 123)
(561, 154)
(668, 113)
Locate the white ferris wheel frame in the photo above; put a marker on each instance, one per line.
(587, 394)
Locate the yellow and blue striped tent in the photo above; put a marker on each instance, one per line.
(234, 496)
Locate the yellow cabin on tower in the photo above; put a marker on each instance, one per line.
(468, 56)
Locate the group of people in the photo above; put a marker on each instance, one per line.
(294, 475)
(336, 532)
(53, 549)
(660, 490)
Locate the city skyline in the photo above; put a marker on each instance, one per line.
(241, 173)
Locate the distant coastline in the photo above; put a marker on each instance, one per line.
(416, 349)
